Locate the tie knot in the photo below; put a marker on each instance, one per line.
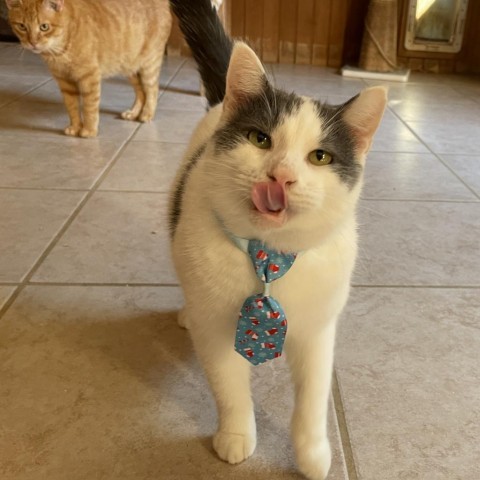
(269, 264)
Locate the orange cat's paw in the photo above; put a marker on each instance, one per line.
(146, 117)
(129, 115)
(87, 133)
(72, 131)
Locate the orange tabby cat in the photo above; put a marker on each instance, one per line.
(85, 40)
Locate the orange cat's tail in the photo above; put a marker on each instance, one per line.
(210, 45)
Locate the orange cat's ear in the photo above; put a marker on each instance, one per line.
(55, 5)
(363, 114)
(245, 77)
(13, 3)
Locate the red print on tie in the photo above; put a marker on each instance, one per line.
(262, 255)
(272, 331)
(274, 267)
(252, 334)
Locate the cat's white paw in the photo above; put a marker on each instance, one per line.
(234, 447)
(314, 460)
(182, 319)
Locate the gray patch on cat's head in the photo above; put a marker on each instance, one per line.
(263, 112)
(339, 142)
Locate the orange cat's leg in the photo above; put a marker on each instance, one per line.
(89, 86)
(71, 97)
(134, 112)
(149, 76)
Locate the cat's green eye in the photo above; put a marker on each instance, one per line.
(44, 27)
(21, 27)
(319, 157)
(259, 139)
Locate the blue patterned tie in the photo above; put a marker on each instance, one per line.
(262, 324)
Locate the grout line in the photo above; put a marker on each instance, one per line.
(13, 100)
(112, 190)
(50, 189)
(343, 429)
(418, 200)
(100, 284)
(439, 287)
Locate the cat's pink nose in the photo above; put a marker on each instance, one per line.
(283, 176)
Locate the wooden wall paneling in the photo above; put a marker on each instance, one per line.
(305, 25)
(338, 21)
(254, 24)
(237, 9)
(288, 30)
(321, 32)
(354, 27)
(271, 30)
(469, 57)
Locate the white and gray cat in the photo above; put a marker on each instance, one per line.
(286, 170)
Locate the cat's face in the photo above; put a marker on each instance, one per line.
(38, 24)
(287, 169)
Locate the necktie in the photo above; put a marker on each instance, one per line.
(262, 324)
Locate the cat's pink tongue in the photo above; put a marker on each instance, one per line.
(269, 197)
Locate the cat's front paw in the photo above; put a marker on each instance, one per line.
(314, 459)
(146, 116)
(234, 447)
(129, 115)
(72, 130)
(87, 133)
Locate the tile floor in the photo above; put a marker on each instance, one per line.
(97, 381)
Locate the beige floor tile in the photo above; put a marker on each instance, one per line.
(118, 237)
(174, 99)
(447, 137)
(14, 60)
(408, 364)
(170, 126)
(394, 136)
(145, 166)
(414, 111)
(29, 220)
(413, 176)
(418, 243)
(47, 164)
(102, 383)
(25, 120)
(467, 167)
(13, 86)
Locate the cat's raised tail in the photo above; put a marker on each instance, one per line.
(210, 45)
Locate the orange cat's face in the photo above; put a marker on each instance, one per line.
(38, 24)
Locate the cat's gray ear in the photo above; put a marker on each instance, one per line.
(55, 5)
(363, 115)
(13, 3)
(245, 77)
